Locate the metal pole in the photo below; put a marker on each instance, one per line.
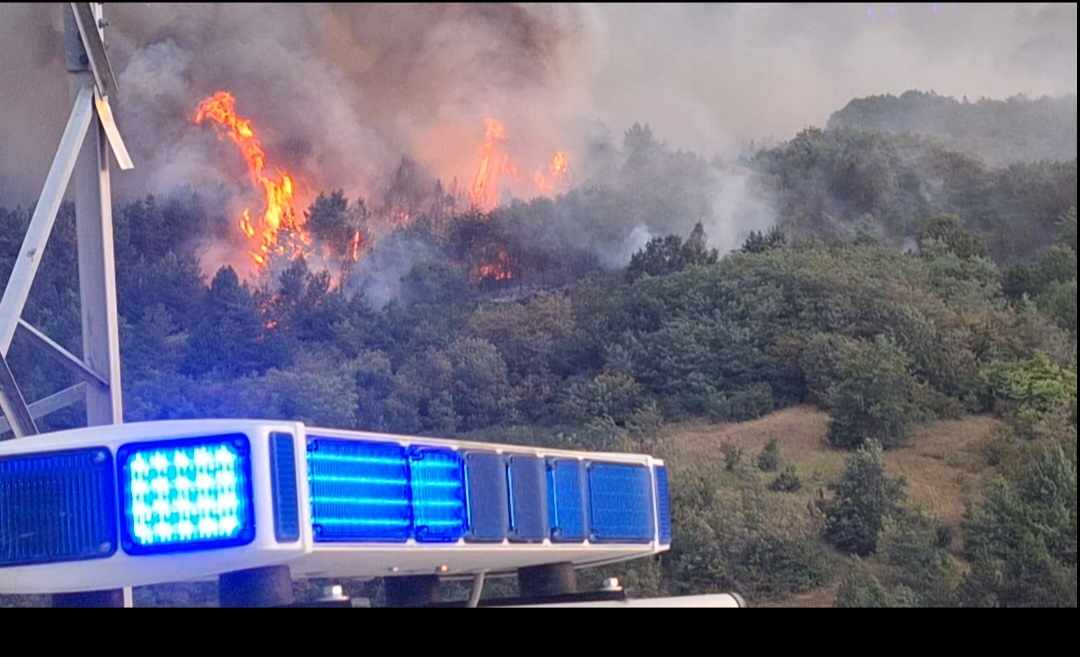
(259, 587)
(19, 417)
(97, 280)
(97, 271)
(477, 590)
(547, 581)
(97, 268)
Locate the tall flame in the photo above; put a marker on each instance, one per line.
(484, 193)
(495, 166)
(557, 176)
(279, 228)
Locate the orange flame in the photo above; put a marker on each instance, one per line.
(495, 166)
(484, 193)
(498, 270)
(354, 247)
(279, 228)
(557, 176)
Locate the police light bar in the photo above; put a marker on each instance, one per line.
(158, 502)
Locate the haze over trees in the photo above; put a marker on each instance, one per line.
(1000, 132)
(903, 282)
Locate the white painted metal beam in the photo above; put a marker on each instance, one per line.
(52, 403)
(62, 356)
(13, 405)
(116, 142)
(41, 224)
(97, 270)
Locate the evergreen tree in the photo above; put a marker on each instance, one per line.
(1021, 539)
(864, 498)
(667, 255)
(760, 242)
(230, 337)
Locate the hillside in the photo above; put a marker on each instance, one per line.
(945, 466)
(904, 291)
(1000, 132)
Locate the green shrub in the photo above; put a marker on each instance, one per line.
(743, 404)
(667, 255)
(1059, 302)
(819, 362)
(739, 541)
(612, 395)
(864, 499)
(876, 397)
(860, 589)
(1029, 392)
(1021, 539)
(645, 424)
(769, 459)
(916, 547)
(1057, 265)
(787, 482)
(760, 242)
(733, 456)
(946, 234)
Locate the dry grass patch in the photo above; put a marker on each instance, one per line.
(944, 466)
(820, 599)
(799, 430)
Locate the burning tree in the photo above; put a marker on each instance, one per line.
(279, 228)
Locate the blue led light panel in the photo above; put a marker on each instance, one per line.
(489, 504)
(663, 505)
(620, 503)
(359, 491)
(566, 500)
(528, 499)
(57, 507)
(283, 485)
(438, 495)
(189, 494)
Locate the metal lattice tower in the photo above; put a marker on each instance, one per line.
(82, 156)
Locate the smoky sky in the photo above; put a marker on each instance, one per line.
(341, 92)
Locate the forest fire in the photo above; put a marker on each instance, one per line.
(557, 176)
(279, 227)
(495, 167)
(498, 270)
(354, 246)
(494, 162)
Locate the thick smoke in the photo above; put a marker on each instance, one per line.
(340, 93)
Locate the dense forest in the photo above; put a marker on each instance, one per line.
(904, 280)
(1001, 132)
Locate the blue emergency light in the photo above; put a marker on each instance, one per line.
(190, 494)
(359, 491)
(57, 507)
(139, 504)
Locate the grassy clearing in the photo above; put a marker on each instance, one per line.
(943, 465)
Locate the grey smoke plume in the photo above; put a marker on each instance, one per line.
(381, 274)
(341, 92)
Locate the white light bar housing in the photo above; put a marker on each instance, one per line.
(306, 557)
